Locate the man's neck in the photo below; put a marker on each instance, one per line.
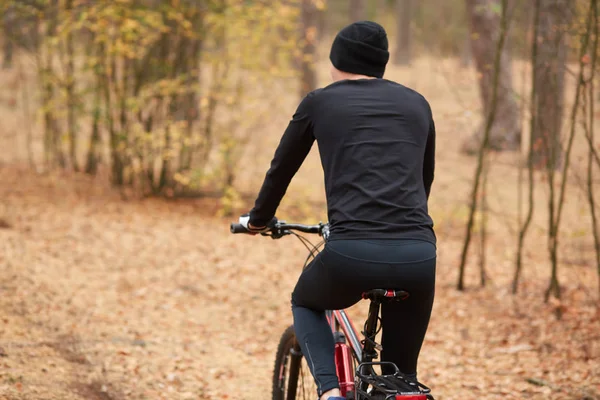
(355, 76)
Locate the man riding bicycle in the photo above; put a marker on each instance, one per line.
(376, 139)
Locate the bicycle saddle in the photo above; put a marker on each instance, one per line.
(380, 295)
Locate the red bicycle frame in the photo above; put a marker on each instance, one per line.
(345, 353)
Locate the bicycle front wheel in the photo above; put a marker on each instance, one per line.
(292, 379)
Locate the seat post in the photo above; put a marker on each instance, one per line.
(369, 352)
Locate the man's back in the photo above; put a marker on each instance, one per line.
(376, 141)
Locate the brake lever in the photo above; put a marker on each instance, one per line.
(279, 234)
(276, 232)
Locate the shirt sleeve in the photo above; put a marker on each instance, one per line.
(294, 146)
(429, 159)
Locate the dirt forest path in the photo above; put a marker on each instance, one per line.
(105, 299)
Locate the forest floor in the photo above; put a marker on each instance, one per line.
(103, 298)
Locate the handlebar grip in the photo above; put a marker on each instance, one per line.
(237, 228)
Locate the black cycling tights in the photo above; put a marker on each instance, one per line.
(335, 280)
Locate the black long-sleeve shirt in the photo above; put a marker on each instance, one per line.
(376, 140)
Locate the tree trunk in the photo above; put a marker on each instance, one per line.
(94, 147)
(309, 15)
(165, 169)
(484, 21)
(322, 26)
(8, 21)
(381, 11)
(123, 140)
(44, 57)
(466, 54)
(358, 10)
(115, 151)
(550, 68)
(91, 166)
(70, 90)
(190, 103)
(190, 50)
(403, 43)
(8, 54)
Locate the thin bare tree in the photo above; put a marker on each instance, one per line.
(497, 67)
(524, 227)
(589, 132)
(483, 215)
(554, 17)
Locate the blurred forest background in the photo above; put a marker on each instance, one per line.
(133, 119)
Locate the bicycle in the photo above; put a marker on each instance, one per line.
(353, 357)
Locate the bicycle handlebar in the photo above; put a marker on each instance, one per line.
(238, 228)
(282, 228)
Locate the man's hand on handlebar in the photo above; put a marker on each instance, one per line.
(244, 220)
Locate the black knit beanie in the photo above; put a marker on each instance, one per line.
(361, 48)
